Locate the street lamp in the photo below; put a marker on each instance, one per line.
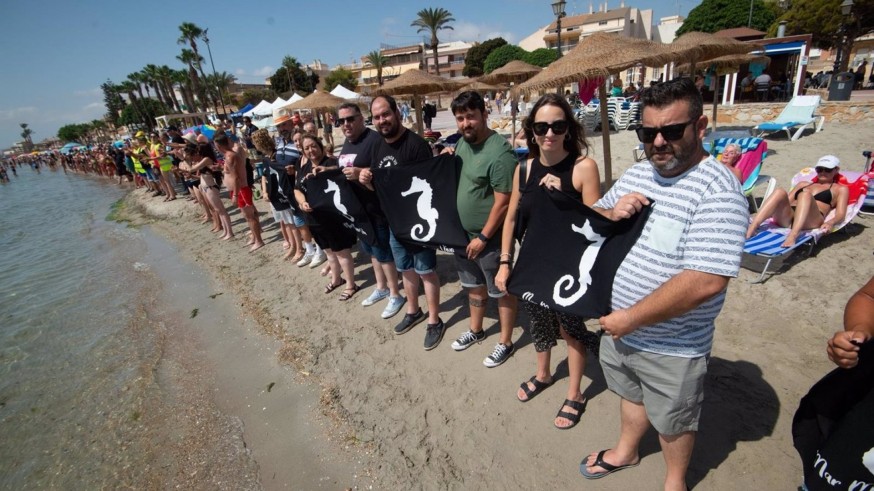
(309, 71)
(214, 75)
(558, 10)
(846, 9)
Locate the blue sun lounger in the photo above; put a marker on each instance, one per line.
(797, 115)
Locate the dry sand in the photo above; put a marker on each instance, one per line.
(440, 419)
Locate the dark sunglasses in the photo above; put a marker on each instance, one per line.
(558, 127)
(670, 132)
(348, 119)
(823, 169)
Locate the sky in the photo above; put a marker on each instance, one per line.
(57, 53)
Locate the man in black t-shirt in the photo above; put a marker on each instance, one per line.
(399, 145)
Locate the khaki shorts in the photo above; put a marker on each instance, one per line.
(671, 388)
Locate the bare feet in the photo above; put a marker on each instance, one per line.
(256, 246)
(226, 237)
(790, 241)
(326, 270)
(286, 245)
(290, 253)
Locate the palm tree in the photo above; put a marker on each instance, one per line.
(27, 134)
(378, 61)
(221, 81)
(151, 77)
(136, 78)
(129, 87)
(165, 76)
(290, 63)
(190, 34)
(432, 20)
(181, 78)
(189, 58)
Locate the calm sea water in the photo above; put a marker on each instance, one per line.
(82, 405)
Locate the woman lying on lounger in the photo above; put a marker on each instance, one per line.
(808, 205)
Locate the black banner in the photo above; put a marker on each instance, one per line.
(570, 254)
(418, 198)
(334, 203)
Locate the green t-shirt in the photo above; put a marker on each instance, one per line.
(486, 168)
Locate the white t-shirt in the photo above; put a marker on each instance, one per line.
(763, 79)
(698, 222)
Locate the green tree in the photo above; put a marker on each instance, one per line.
(136, 78)
(220, 83)
(291, 78)
(191, 59)
(541, 57)
(823, 19)
(254, 96)
(73, 132)
(476, 56)
(432, 20)
(715, 15)
(341, 76)
(143, 112)
(112, 100)
(503, 55)
(378, 61)
(189, 34)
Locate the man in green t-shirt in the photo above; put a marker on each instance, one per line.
(483, 197)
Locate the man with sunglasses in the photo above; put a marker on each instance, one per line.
(671, 286)
(484, 189)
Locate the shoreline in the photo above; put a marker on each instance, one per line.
(440, 419)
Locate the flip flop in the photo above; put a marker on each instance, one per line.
(573, 418)
(608, 468)
(348, 293)
(538, 388)
(330, 287)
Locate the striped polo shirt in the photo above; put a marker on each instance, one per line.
(698, 222)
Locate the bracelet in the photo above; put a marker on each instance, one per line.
(482, 237)
(505, 254)
(508, 263)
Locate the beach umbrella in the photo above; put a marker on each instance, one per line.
(596, 57)
(417, 83)
(318, 100)
(479, 86)
(513, 72)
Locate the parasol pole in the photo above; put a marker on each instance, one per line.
(417, 106)
(605, 136)
(715, 93)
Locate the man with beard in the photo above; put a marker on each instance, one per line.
(288, 155)
(671, 286)
(484, 189)
(413, 262)
(355, 156)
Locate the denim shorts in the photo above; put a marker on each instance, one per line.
(482, 270)
(412, 257)
(381, 250)
(299, 218)
(150, 175)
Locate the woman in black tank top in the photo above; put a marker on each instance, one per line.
(558, 151)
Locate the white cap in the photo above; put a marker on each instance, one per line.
(828, 161)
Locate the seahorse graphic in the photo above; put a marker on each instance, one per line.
(586, 263)
(333, 188)
(423, 207)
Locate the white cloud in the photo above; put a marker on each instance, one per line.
(470, 32)
(239, 72)
(264, 71)
(9, 114)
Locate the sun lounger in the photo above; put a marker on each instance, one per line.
(767, 241)
(754, 151)
(797, 115)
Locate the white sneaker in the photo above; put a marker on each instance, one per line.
(393, 307)
(307, 258)
(376, 296)
(318, 259)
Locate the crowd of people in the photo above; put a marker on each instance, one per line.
(655, 343)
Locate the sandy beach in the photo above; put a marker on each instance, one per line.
(440, 419)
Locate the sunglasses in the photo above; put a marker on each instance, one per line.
(823, 169)
(559, 127)
(348, 119)
(670, 132)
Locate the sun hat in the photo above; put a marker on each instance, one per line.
(828, 161)
(190, 138)
(282, 116)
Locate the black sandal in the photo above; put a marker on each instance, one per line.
(330, 287)
(573, 418)
(538, 388)
(348, 293)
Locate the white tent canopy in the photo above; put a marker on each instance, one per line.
(279, 102)
(294, 98)
(345, 93)
(263, 108)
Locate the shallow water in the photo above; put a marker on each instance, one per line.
(105, 380)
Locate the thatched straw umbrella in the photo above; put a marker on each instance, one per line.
(599, 56)
(480, 87)
(318, 100)
(515, 72)
(417, 83)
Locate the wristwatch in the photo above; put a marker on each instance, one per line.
(482, 237)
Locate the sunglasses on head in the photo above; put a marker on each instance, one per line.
(559, 127)
(348, 119)
(670, 132)
(823, 169)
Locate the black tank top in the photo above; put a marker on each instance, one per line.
(564, 170)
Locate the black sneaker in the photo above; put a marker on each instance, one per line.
(434, 334)
(409, 321)
(467, 339)
(501, 353)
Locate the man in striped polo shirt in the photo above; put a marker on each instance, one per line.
(671, 285)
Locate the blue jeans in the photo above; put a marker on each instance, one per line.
(382, 250)
(407, 257)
